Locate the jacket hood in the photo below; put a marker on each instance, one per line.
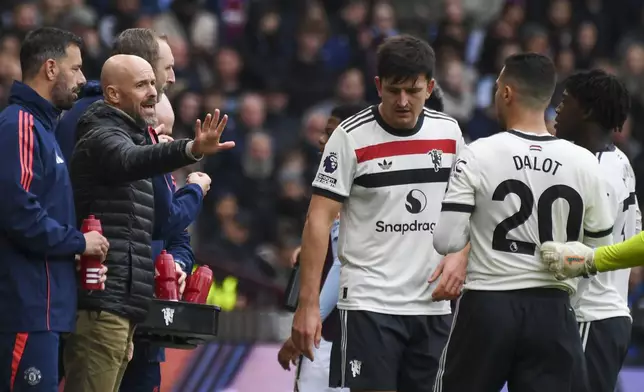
(100, 115)
(91, 89)
(23, 95)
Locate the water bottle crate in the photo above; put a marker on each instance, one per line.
(179, 324)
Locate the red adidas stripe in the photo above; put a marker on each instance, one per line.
(18, 351)
(30, 152)
(405, 147)
(20, 148)
(26, 146)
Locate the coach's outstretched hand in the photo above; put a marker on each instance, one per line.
(307, 329)
(451, 271)
(569, 260)
(208, 135)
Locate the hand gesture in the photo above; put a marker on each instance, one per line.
(165, 139)
(451, 271)
(288, 354)
(181, 280)
(96, 245)
(208, 135)
(569, 260)
(201, 179)
(102, 273)
(159, 129)
(307, 329)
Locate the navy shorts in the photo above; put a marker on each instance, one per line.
(383, 352)
(29, 361)
(528, 338)
(605, 345)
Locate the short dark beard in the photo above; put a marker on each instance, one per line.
(61, 97)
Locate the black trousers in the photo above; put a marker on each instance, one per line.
(527, 338)
(605, 345)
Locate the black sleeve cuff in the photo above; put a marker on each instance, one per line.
(457, 207)
(598, 234)
(328, 194)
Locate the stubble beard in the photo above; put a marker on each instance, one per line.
(61, 96)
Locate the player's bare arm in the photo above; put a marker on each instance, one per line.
(307, 323)
(452, 234)
(452, 271)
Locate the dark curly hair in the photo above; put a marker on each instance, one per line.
(602, 95)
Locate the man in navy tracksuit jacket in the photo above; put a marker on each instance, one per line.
(174, 211)
(39, 237)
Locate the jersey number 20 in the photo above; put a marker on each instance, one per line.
(500, 239)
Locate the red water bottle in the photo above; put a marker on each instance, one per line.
(198, 286)
(165, 282)
(91, 265)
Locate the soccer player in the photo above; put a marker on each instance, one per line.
(594, 105)
(385, 169)
(314, 376)
(507, 194)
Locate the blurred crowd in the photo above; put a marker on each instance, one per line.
(278, 68)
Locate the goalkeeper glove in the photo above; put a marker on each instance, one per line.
(569, 260)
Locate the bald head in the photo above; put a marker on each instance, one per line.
(121, 67)
(128, 83)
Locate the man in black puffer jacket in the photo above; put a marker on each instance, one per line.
(111, 169)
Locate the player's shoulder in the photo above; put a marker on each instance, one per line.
(439, 120)
(612, 156)
(486, 144)
(578, 155)
(362, 119)
(574, 152)
(623, 159)
(621, 162)
(436, 116)
(621, 155)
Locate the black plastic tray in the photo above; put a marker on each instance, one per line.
(178, 324)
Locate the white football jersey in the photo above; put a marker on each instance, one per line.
(524, 189)
(391, 183)
(605, 295)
